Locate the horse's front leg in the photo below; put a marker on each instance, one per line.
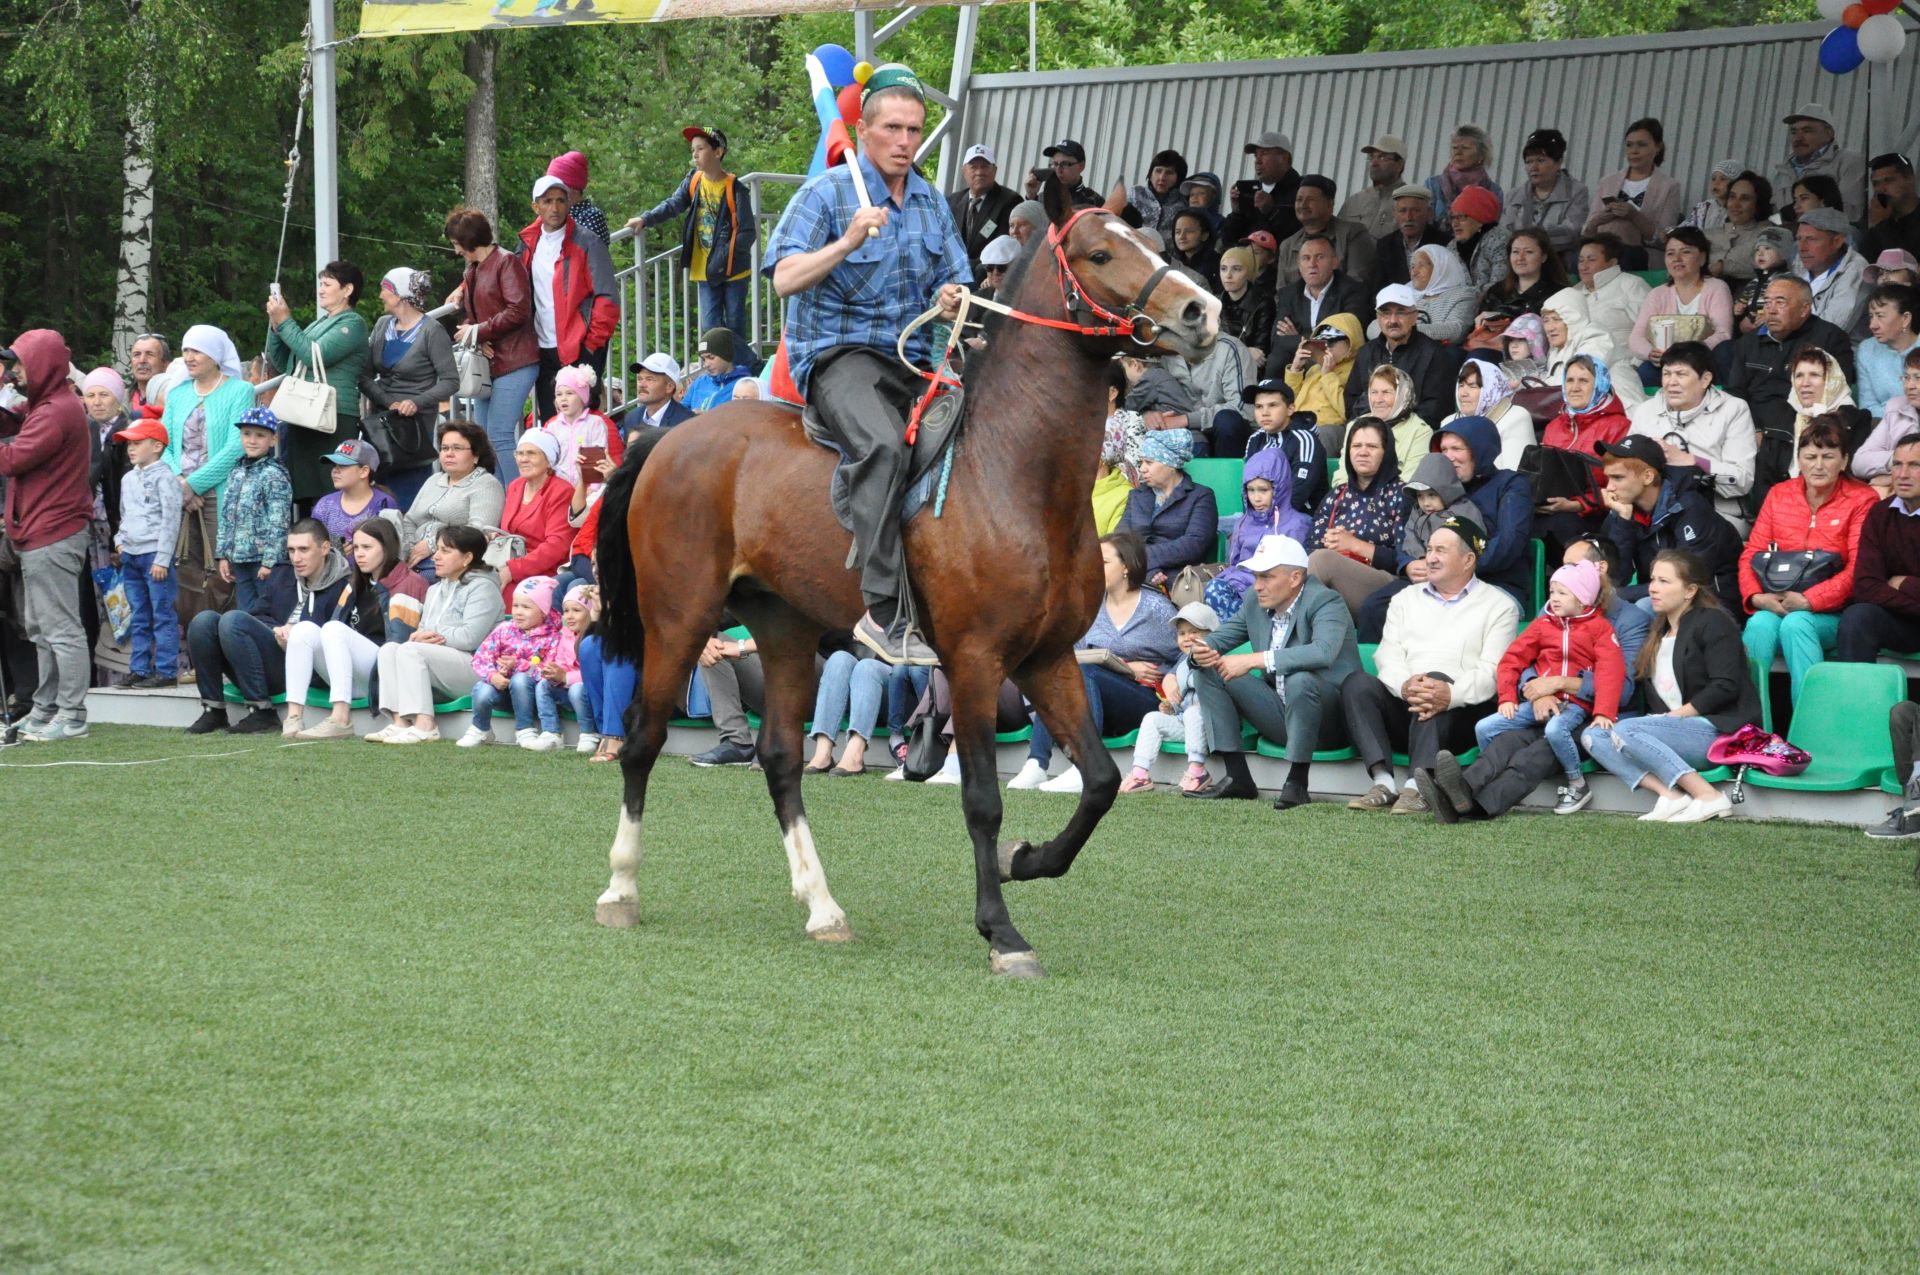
(975, 686)
(1059, 695)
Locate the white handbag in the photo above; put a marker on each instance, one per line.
(476, 373)
(310, 403)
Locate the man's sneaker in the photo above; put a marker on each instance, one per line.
(1903, 822)
(64, 726)
(1411, 803)
(1378, 797)
(258, 721)
(894, 645)
(1031, 775)
(474, 738)
(131, 682)
(1452, 782)
(545, 742)
(589, 744)
(209, 721)
(1573, 800)
(1067, 780)
(155, 682)
(36, 725)
(725, 753)
(1437, 801)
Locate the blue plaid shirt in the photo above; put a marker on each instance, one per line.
(882, 284)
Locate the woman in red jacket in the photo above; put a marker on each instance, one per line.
(536, 510)
(1796, 611)
(496, 312)
(1590, 414)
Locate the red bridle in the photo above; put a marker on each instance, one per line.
(1134, 323)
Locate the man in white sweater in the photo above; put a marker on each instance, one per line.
(1436, 661)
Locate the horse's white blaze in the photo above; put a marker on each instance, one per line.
(624, 860)
(1135, 238)
(810, 879)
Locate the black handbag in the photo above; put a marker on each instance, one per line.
(1796, 571)
(926, 749)
(402, 441)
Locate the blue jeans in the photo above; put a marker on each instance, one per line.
(609, 686)
(156, 629)
(502, 415)
(519, 689)
(236, 645)
(1109, 695)
(1803, 637)
(1665, 747)
(851, 689)
(1562, 730)
(247, 584)
(724, 305)
(579, 570)
(906, 683)
(548, 698)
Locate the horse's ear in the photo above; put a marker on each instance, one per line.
(1117, 199)
(1053, 197)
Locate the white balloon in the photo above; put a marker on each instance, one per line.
(1832, 9)
(1882, 38)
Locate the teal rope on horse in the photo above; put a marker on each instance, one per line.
(946, 472)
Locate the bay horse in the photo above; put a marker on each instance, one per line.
(731, 512)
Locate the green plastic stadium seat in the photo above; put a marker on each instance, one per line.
(1020, 736)
(1890, 783)
(1127, 740)
(1222, 477)
(693, 723)
(231, 693)
(462, 705)
(1841, 720)
(1654, 278)
(1539, 580)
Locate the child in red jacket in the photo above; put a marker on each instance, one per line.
(1570, 639)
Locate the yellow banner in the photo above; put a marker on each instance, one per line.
(430, 17)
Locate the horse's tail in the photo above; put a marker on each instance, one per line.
(621, 634)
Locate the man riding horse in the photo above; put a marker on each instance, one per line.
(854, 275)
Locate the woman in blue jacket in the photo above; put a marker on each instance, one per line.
(1174, 515)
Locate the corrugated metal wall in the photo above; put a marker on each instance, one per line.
(1720, 94)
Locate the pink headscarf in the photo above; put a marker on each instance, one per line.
(105, 378)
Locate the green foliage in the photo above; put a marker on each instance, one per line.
(222, 76)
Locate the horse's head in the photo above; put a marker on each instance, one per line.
(1111, 275)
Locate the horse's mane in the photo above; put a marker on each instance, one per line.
(1035, 249)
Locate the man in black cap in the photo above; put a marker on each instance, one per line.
(1650, 509)
(1069, 161)
(981, 207)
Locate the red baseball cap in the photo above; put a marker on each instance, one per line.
(144, 429)
(1261, 239)
(715, 138)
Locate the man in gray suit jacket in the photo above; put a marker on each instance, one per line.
(1302, 637)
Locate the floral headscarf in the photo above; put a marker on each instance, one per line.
(1120, 448)
(1602, 385)
(1171, 447)
(1495, 385)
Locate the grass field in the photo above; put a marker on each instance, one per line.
(343, 1008)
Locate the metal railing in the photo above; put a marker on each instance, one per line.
(660, 305)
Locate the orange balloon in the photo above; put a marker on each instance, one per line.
(1853, 15)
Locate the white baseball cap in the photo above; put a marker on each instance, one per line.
(1397, 294)
(659, 362)
(1199, 615)
(544, 184)
(1277, 551)
(1000, 252)
(980, 150)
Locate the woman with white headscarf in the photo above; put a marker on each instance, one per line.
(202, 417)
(1571, 332)
(409, 373)
(1448, 299)
(1483, 389)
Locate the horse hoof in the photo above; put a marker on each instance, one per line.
(1015, 965)
(1008, 849)
(617, 914)
(838, 932)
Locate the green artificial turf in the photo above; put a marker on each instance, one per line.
(344, 1008)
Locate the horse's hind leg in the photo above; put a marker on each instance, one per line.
(663, 673)
(1060, 695)
(787, 644)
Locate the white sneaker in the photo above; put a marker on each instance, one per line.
(385, 734)
(948, 774)
(545, 742)
(292, 726)
(1031, 775)
(1666, 808)
(417, 735)
(588, 745)
(898, 774)
(525, 737)
(474, 738)
(1698, 811)
(1067, 780)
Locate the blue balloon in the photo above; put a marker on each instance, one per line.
(1840, 51)
(838, 64)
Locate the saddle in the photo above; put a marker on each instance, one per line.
(939, 426)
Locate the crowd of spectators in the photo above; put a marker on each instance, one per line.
(1700, 413)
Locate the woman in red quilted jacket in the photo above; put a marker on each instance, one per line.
(1795, 611)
